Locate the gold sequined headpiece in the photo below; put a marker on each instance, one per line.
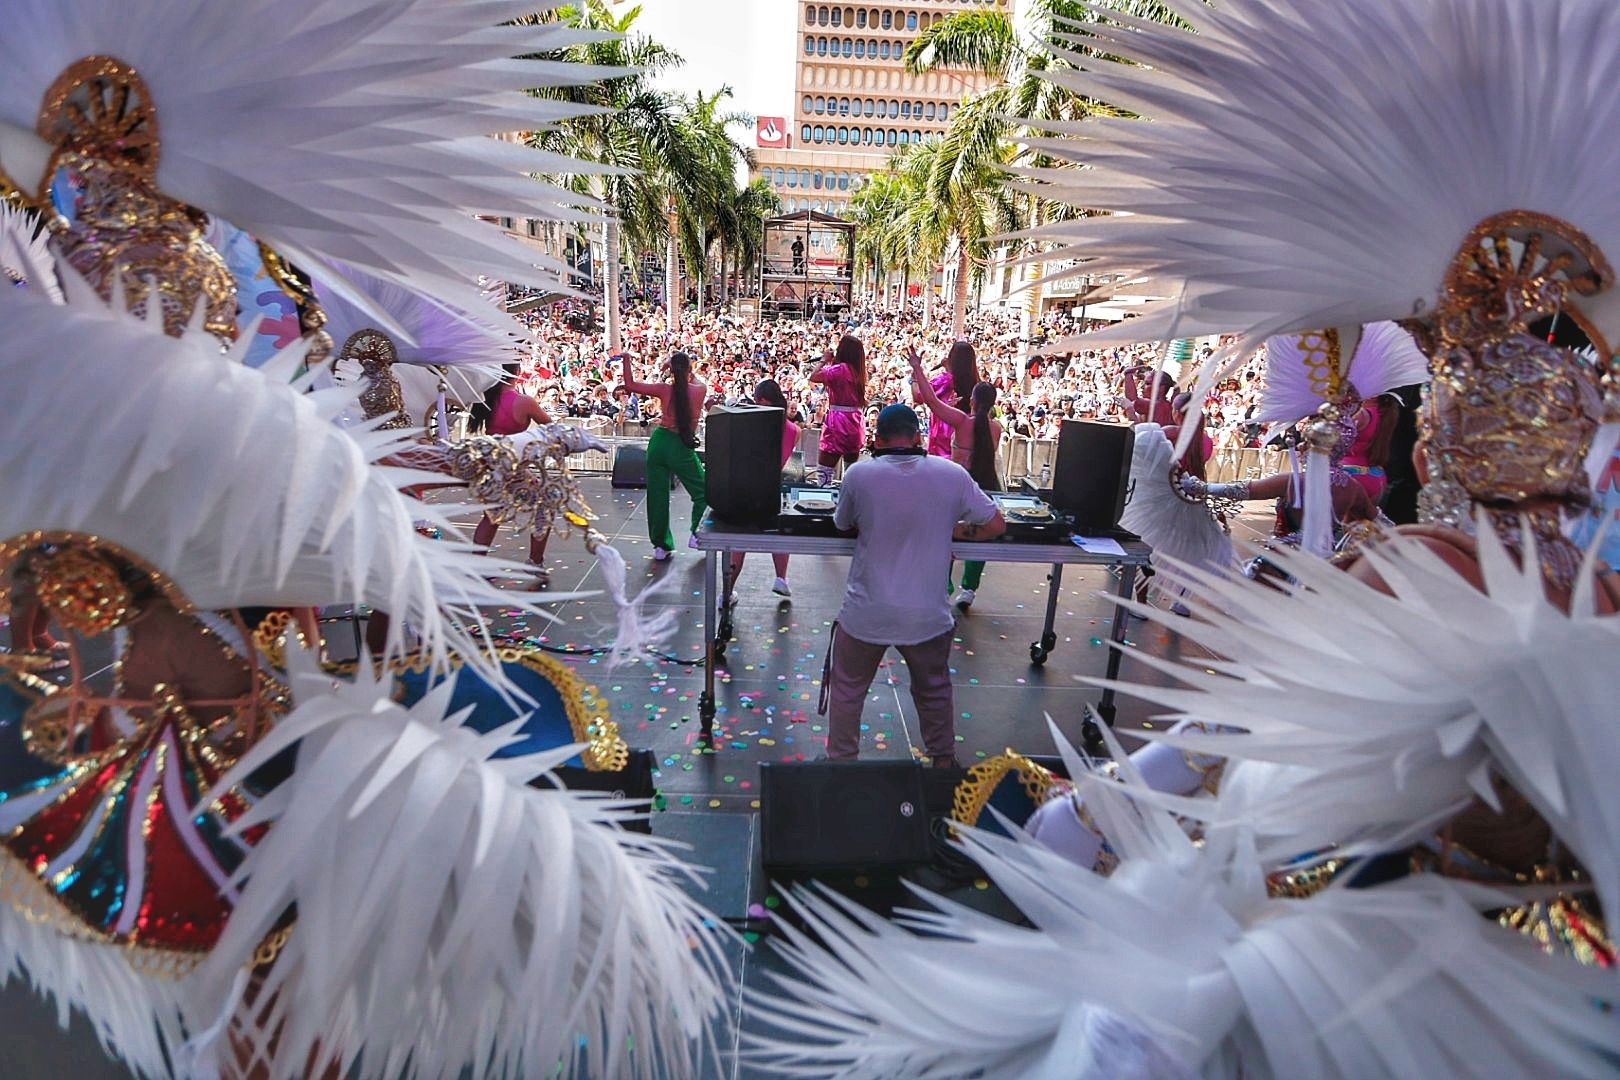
(1511, 417)
(85, 583)
(377, 354)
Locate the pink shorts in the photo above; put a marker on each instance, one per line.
(843, 434)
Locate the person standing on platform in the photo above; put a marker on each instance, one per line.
(975, 436)
(844, 375)
(672, 448)
(769, 395)
(906, 508)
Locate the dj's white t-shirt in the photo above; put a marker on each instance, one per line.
(904, 508)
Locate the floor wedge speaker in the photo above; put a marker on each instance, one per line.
(842, 815)
(630, 467)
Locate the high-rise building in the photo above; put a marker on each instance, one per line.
(855, 105)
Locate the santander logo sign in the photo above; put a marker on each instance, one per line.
(771, 132)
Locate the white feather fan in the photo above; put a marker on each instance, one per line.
(451, 917)
(1178, 965)
(231, 480)
(1314, 165)
(1175, 528)
(23, 251)
(1393, 710)
(330, 129)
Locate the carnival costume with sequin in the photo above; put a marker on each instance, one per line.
(239, 867)
(1361, 716)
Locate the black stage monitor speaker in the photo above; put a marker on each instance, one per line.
(842, 815)
(630, 467)
(744, 464)
(634, 782)
(1093, 472)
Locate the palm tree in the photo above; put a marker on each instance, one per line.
(874, 209)
(621, 123)
(704, 184)
(745, 219)
(988, 42)
(958, 199)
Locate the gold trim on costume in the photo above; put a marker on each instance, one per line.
(973, 792)
(588, 715)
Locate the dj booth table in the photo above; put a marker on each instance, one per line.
(713, 539)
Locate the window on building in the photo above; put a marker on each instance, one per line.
(809, 45)
(849, 47)
(804, 178)
(843, 106)
(838, 16)
(860, 18)
(883, 50)
(944, 112)
(793, 178)
(816, 206)
(916, 110)
(894, 137)
(843, 136)
(868, 106)
(843, 183)
(778, 177)
(888, 20)
(818, 133)
(872, 48)
(911, 21)
(928, 111)
(804, 133)
(821, 46)
(822, 16)
(883, 109)
(810, 15)
(905, 110)
(860, 49)
(815, 180)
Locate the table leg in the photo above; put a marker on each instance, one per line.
(711, 561)
(1122, 622)
(728, 582)
(1040, 650)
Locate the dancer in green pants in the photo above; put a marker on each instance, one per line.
(672, 448)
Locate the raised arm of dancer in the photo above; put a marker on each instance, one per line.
(923, 391)
(630, 383)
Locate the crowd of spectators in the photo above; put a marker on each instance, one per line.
(569, 371)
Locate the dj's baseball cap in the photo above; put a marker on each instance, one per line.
(896, 421)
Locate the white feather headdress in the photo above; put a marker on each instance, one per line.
(1384, 358)
(1177, 965)
(451, 917)
(1393, 711)
(330, 129)
(232, 481)
(1320, 164)
(471, 345)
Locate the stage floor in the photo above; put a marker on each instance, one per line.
(767, 689)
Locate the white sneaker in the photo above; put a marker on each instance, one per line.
(964, 599)
(660, 554)
(780, 588)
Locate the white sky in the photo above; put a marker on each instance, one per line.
(746, 44)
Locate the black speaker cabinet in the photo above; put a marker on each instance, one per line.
(1093, 472)
(634, 781)
(839, 815)
(744, 464)
(630, 467)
